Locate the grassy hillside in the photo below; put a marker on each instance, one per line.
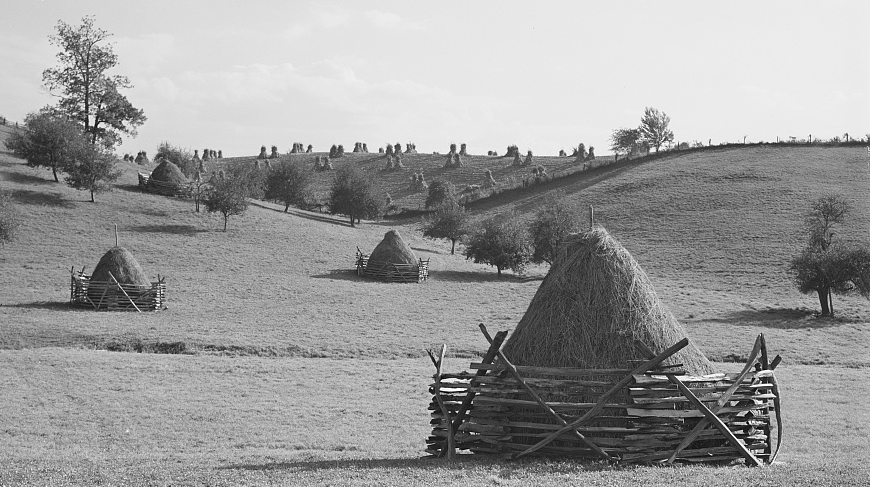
(282, 335)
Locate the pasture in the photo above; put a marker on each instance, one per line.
(295, 371)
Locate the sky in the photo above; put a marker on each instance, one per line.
(544, 76)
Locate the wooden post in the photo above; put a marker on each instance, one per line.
(125, 292)
(494, 345)
(640, 369)
(116, 235)
(553, 414)
(451, 445)
(591, 218)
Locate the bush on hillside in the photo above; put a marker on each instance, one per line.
(503, 244)
(440, 191)
(10, 219)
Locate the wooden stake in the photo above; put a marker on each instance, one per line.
(451, 445)
(494, 346)
(125, 292)
(116, 235)
(591, 218)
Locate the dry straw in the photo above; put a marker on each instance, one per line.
(167, 172)
(392, 250)
(592, 306)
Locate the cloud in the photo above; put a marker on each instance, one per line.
(390, 20)
(317, 20)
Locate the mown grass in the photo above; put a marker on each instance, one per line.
(295, 371)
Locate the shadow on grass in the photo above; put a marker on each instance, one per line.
(318, 217)
(462, 462)
(38, 198)
(24, 178)
(171, 229)
(472, 276)
(49, 305)
(342, 275)
(782, 318)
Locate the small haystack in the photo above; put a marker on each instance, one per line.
(392, 261)
(592, 306)
(167, 172)
(126, 270)
(392, 250)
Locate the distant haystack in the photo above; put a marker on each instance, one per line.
(393, 261)
(593, 305)
(167, 172)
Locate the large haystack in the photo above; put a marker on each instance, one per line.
(592, 306)
(167, 172)
(123, 266)
(392, 250)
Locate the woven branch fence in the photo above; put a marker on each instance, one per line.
(114, 296)
(146, 183)
(390, 272)
(650, 414)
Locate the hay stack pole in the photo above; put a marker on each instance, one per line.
(591, 218)
(116, 235)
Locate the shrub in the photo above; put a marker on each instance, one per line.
(288, 183)
(450, 221)
(552, 223)
(47, 140)
(354, 193)
(503, 244)
(229, 192)
(440, 192)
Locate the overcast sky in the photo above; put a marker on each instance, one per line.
(542, 75)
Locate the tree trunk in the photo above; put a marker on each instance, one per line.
(452, 245)
(92, 197)
(226, 217)
(54, 171)
(497, 268)
(823, 300)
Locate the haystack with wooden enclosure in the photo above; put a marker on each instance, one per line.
(166, 179)
(599, 368)
(392, 261)
(118, 283)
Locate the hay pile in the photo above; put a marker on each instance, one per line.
(592, 306)
(167, 172)
(392, 250)
(121, 263)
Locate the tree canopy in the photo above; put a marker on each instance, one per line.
(47, 140)
(355, 194)
(228, 192)
(553, 222)
(88, 94)
(450, 222)
(92, 168)
(288, 183)
(502, 243)
(826, 265)
(654, 128)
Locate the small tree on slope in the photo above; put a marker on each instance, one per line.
(827, 266)
(450, 221)
(503, 244)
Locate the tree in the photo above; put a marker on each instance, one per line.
(625, 141)
(91, 168)
(10, 220)
(553, 222)
(450, 221)
(827, 266)
(228, 193)
(503, 244)
(439, 192)
(87, 93)
(288, 183)
(47, 140)
(355, 194)
(654, 128)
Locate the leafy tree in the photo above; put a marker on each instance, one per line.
(554, 221)
(182, 158)
(87, 93)
(827, 266)
(288, 183)
(654, 128)
(450, 221)
(10, 220)
(503, 244)
(228, 192)
(355, 194)
(47, 140)
(625, 141)
(92, 168)
(439, 192)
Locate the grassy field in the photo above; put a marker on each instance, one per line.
(297, 372)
